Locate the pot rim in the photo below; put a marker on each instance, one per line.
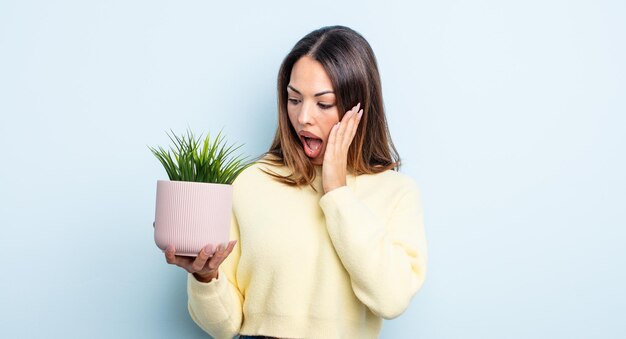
(179, 182)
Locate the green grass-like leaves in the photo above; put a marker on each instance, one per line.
(200, 161)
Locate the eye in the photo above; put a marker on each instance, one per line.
(293, 101)
(322, 106)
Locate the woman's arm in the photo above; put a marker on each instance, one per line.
(386, 259)
(216, 306)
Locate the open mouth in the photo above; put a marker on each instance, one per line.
(312, 146)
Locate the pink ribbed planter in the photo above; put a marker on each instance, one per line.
(190, 215)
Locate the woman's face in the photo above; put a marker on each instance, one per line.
(312, 106)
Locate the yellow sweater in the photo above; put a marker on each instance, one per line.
(315, 265)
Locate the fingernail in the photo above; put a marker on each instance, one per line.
(169, 248)
(207, 249)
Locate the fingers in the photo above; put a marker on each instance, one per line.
(201, 259)
(344, 121)
(350, 129)
(172, 258)
(170, 255)
(347, 128)
(205, 261)
(220, 255)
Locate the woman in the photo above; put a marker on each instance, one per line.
(327, 238)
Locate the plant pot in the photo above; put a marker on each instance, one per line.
(190, 215)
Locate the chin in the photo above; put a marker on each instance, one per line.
(316, 161)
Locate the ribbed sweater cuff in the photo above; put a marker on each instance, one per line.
(334, 197)
(211, 290)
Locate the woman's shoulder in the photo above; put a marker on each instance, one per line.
(391, 180)
(389, 174)
(258, 170)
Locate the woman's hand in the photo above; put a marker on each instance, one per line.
(205, 266)
(334, 166)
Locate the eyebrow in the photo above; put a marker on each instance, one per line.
(318, 94)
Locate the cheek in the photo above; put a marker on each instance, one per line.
(329, 122)
(334, 116)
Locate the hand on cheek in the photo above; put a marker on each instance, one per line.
(334, 167)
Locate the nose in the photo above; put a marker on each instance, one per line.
(305, 117)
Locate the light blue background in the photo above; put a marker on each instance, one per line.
(510, 115)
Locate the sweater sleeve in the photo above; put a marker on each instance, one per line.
(216, 306)
(386, 259)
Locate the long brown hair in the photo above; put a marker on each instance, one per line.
(351, 65)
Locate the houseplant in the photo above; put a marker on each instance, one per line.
(194, 207)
